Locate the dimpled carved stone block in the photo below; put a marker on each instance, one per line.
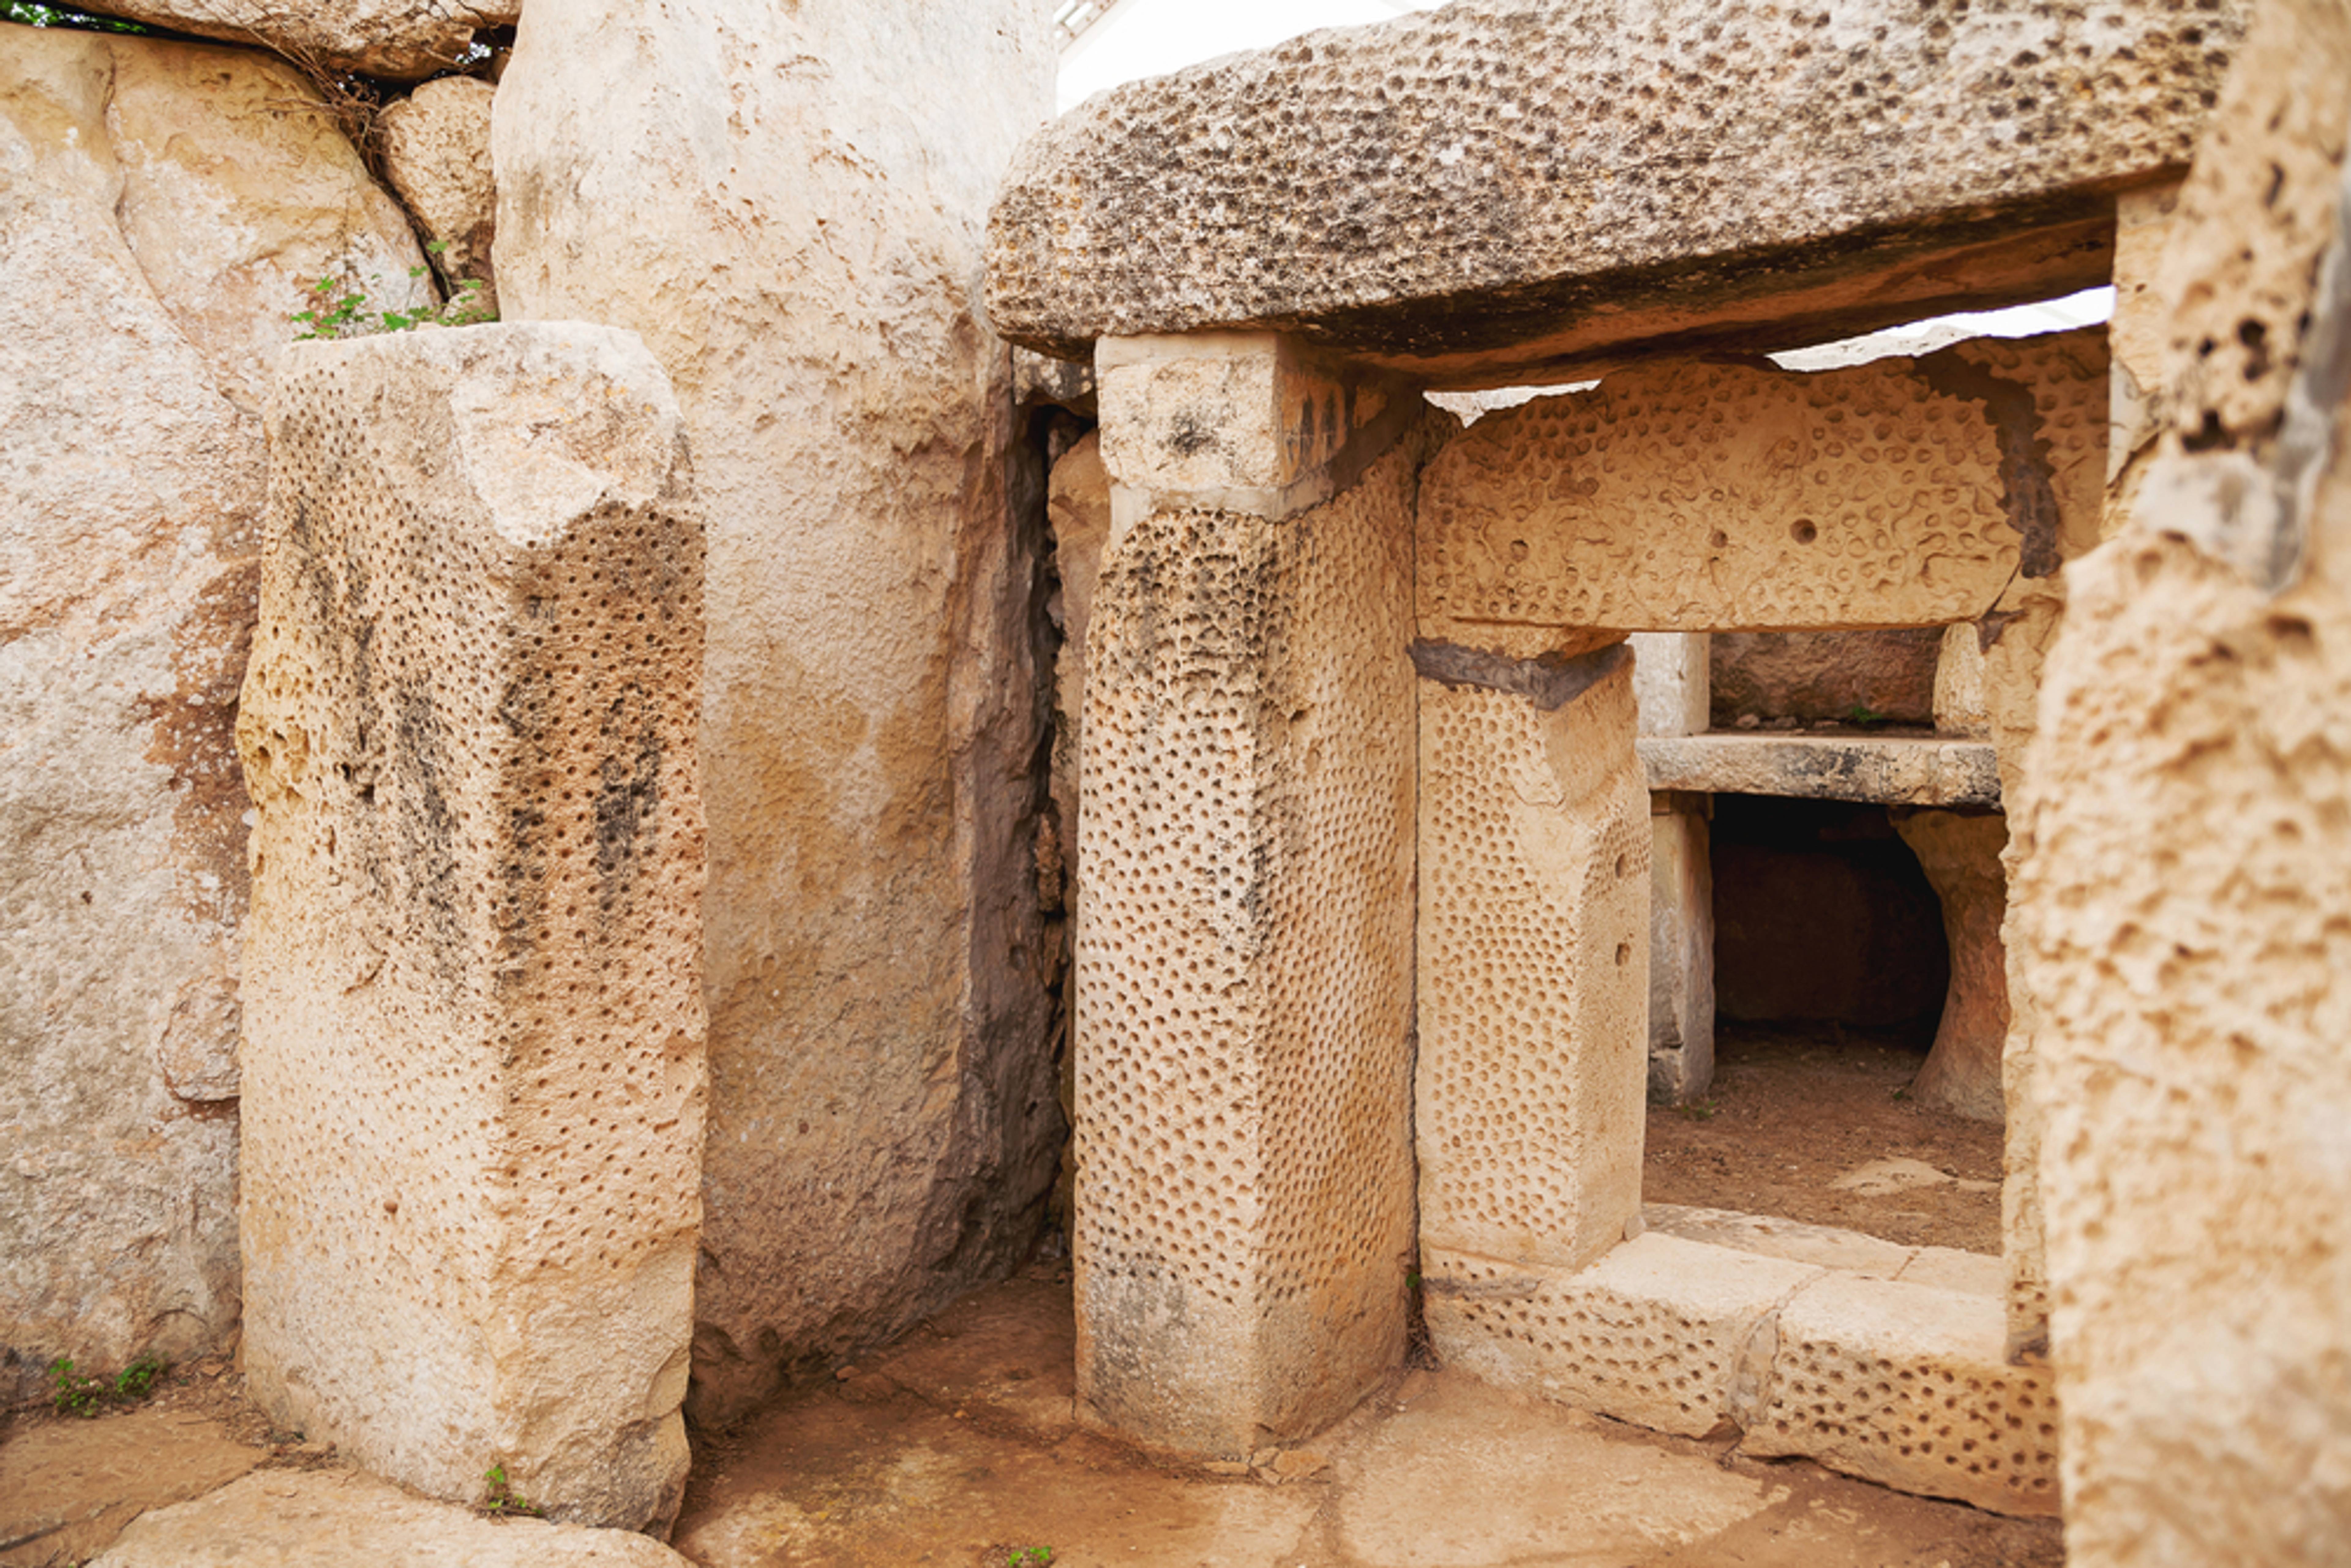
(1652, 1333)
(1534, 909)
(1244, 969)
(1698, 497)
(1509, 181)
(1905, 1384)
(473, 1027)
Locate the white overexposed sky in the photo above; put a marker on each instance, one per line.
(1152, 37)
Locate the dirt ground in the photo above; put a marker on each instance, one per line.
(69, 1484)
(959, 1447)
(1795, 1107)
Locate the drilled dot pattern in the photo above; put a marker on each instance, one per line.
(1904, 1385)
(1653, 1334)
(1696, 498)
(474, 1023)
(1533, 984)
(1480, 175)
(1243, 969)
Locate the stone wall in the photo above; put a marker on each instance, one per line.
(164, 206)
(787, 205)
(2182, 906)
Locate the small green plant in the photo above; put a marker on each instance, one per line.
(340, 308)
(1866, 716)
(1701, 1110)
(1028, 1557)
(138, 1380)
(503, 1502)
(75, 1393)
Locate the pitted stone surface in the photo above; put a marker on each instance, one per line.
(1589, 171)
(162, 205)
(1533, 980)
(1244, 969)
(474, 1026)
(1906, 1386)
(2181, 913)
(1698, 497)
(1655, 1333)
(400, 41)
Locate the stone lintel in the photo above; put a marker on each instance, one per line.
(1506, 188)
(1895, 771)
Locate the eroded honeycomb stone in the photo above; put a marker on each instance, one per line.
(1908, 1386)
(1508, 178)
(1244, 969)
(1533, 975)
(1696, 496)
(474, 1026)
(2181, 915)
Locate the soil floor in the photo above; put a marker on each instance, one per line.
(1796, 1109)
(958, 1448)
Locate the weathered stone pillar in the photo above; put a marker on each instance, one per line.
(1961, 855)
(473, 1028)
(1533, 980)
(1670, 682)
(1243, 1006)
(2184, 912)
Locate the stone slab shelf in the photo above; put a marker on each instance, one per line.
(1894, 770)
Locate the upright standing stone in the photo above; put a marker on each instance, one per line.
(786, 202)
(1243, 1007)
(1671, 685)
(1961, 857)
(474, 1080)
(1534, 944)
(2185, 908)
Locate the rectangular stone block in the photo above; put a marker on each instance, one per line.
(1243, 977)
(474, 1025)
(1699, 496)
(1655, 1333)
(1673, 682)
(1250, 422)
(1907, 1385)
(1898, 770)
(1533, 984)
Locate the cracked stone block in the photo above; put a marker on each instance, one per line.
(1908, 1386)
(1655, 1333)
(472, 1070)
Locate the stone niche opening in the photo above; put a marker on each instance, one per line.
(1832, 969)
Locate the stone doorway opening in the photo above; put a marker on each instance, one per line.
(1832, 967)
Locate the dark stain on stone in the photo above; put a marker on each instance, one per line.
(1988, 629)
(628, 789)
(2030, 496)
(1549, 680)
